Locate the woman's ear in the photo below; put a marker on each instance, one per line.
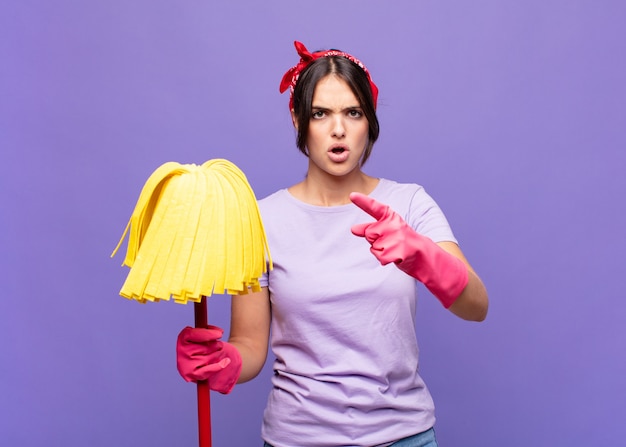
(294, 119)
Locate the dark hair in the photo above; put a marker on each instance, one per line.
(356, 79)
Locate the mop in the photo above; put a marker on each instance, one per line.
(195, 230)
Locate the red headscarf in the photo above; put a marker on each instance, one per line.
(291, 77)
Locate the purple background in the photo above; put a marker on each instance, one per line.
(511, 113)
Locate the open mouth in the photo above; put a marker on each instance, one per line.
(338, 150)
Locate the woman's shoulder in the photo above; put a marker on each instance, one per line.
(407, 199)
(280, 203)
(390, 188)
(276, 196)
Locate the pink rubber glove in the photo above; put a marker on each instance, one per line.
(393, 240)
(200, 355)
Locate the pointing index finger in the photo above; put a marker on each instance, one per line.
(375, 209)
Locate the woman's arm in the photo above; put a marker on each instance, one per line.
(473, 302)
(249, 331)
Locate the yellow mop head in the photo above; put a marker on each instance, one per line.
(195, 231)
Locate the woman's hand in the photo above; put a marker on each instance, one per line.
(442, 267)
(200, 355)
(393, 240)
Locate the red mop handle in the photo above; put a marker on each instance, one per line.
(204, 399)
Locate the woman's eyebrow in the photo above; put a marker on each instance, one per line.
(324, 109)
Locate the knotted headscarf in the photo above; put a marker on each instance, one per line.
(291, 76)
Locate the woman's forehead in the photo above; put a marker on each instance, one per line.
(332, 90)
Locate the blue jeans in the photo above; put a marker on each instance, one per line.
(424, 439)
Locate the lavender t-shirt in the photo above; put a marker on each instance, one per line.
(343, 326)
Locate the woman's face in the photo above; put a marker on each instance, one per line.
(338, 130)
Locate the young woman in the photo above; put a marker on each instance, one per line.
(340, 302)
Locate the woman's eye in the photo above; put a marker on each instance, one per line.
(355, 113)
(318, 114)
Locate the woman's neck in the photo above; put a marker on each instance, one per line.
(321, 189)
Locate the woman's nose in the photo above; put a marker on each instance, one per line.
(339, 129)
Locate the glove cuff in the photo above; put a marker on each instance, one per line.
(451, 282)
